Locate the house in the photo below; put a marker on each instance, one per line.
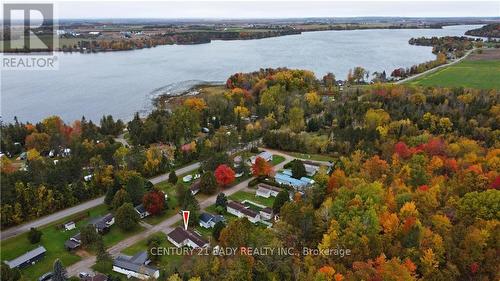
(73, 242)
(208, 220)
(181, 237)
(141, 211)
(195, 187)
(264, 155)
(102, 224)
(237, 161)
(69, 225)
(241, 211)
(266, 213)
(266, 190)
(298, 184)
(28, 258)
(136, 266)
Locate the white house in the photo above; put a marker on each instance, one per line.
(181, 237)
(266, 191)
(69, 225)
(266, 213)
(136, 266)
(241, 211)
(264, 155)
(141, 211)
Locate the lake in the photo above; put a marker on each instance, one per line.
(122, 83)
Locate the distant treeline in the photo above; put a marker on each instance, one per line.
(489, 30)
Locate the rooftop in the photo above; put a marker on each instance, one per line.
(179, 235)
(136, 263)
(26, 257)
(242, 208)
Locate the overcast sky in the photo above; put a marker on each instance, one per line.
(274, 9)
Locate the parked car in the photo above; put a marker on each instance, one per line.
(46, 277)
(84, 275)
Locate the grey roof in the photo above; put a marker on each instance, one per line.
(140, 209)
(70, 244)
(138, 268)
(267, 210)
(40, 250)
(102, 222)
(141, 257)
(206, 217)
(136, 263)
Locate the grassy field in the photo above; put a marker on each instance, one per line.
(53, 240)
(242, 195)
(480, 74)
(316, 157)
(173, 205)
(277, 159)
(166, 261)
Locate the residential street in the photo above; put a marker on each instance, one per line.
(167, 225)
(19, 229)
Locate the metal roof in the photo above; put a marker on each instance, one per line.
(40, 250)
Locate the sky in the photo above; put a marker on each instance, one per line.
(273, 9)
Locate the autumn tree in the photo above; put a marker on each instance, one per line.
(261, 168)
(154, 201)
(224, 175)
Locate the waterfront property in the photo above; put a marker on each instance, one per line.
(136, 266)
(208, 220)
(181, 237)
(141, 210)
(28, 258)
(266, 190)
(240, 210)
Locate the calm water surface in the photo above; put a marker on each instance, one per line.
(121, 83)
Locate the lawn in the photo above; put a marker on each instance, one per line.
(277, 159)
(481, 74)
(173, 205)
(52, 239)
(242, 195)
(315, 157)
(166, 261)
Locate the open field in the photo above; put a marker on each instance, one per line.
(479, 70)
(242, 195)
(53, 240)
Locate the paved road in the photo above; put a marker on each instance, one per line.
(165, 226)
(19, 229)
(16, 230)
(435, 68)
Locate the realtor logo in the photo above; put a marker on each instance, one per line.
(29, 38)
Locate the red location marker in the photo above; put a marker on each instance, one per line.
(185, 217)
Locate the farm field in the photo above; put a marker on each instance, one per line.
(480, 71)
